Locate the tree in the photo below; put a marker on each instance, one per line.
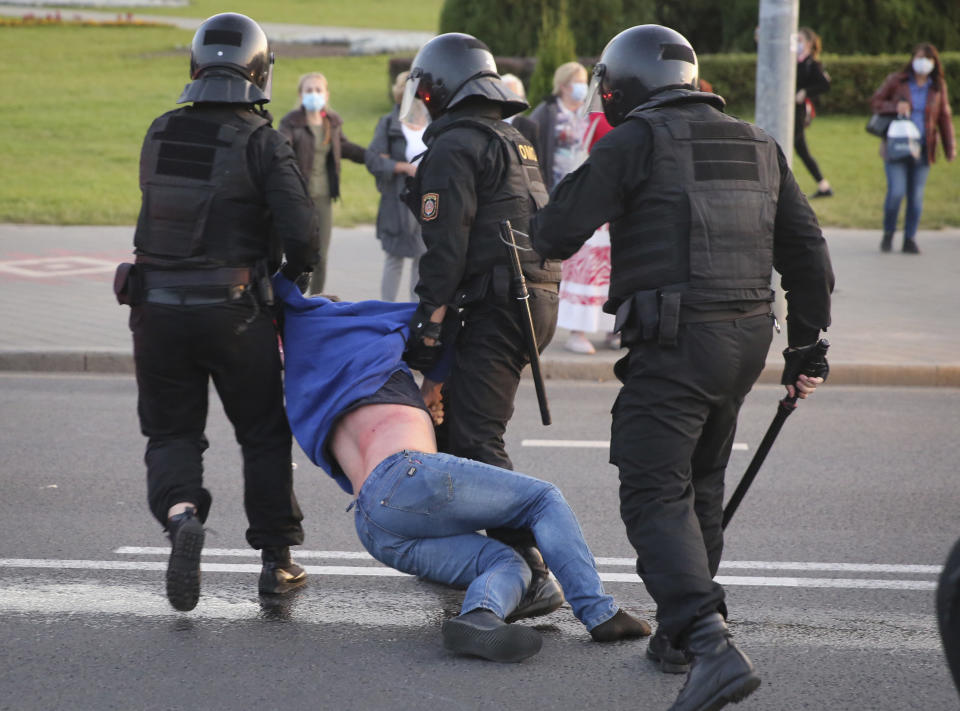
(555, 46)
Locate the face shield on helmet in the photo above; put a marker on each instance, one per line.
(592, 102)
(408, 103)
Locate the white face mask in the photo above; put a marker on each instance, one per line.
(578, 91)
(922, 65)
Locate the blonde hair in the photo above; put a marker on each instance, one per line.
(303, 80)
(564, 73)
(399, 84)
(512, 80)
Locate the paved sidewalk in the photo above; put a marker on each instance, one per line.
(360, 40)
(895, 316)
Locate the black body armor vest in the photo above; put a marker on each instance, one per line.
(520, 192)
(201, 206)
(703, 221)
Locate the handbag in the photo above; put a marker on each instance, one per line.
(903, 140)
(879, 123)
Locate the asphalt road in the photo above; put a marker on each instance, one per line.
(830, 568)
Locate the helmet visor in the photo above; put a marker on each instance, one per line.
(592, 102)
(408, 107)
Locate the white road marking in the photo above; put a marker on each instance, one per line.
(787, 565)
(382, 571)
(43, 267)
(246, 552)
(594, 443)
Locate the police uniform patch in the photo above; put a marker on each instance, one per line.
(429, 206)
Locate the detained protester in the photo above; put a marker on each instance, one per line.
(701, 208)
(223, 201)
(358, 414)
(478, 170)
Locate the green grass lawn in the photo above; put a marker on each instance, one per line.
(421, 15)
(75, 111)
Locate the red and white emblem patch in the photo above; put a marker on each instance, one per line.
(429, 206)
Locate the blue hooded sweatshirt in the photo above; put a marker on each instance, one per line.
(335, 353)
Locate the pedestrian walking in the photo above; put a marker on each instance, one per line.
(701, 207)
(812, 81)
(393, 156)
(316, 133)
(478, 171)
(222, 201)
(918, 92)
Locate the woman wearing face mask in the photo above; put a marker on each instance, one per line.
(561, 126)
(316, 133)
(392, 156)
(811, 82)
(561, 151)
(919, 92)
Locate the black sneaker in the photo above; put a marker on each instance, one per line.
(543, 596)
(480, 633)
(280, 574)
(670, 659)
(910, 246)
(183, 569)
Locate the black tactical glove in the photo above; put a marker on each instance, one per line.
(805, 360)
(418, 354)
(297, 274)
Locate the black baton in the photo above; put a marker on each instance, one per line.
(784, 408)
(518, 290)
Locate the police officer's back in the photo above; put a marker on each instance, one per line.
(702, 207)
(223, 201)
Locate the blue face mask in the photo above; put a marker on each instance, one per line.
(578, 91)
(314, 101)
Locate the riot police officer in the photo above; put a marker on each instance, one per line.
(223, 201)
(477, 171)
(701, 207)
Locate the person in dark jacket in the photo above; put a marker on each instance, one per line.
(223, 202)
(919, 92)
(560, 124)
(316, 133)
(701, 208)
(477, 172)
(391, 157)
(812, 81)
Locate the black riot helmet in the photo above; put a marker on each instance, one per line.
(230, 62)
(452, 67)
(638, 63)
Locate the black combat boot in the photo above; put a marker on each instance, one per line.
(886, 244)
(279, 574)
(910, 246)
(543, 595)
(183, 569)
(670, 659)
(480, 633)
(719, 672)
(621, 626)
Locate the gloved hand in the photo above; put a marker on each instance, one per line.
(418, 354)
(296, 274)
(808, 360)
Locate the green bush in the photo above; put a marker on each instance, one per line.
(555, 47)
(854, 78)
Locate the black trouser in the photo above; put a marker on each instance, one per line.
(177, 349)
(800, 143)
(673, 427)
(948, 611)
(478, 395)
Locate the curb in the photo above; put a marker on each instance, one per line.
(120, 361)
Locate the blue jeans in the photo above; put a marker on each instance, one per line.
(420, 513)
(904, 178)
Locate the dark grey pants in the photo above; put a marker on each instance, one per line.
(673, 427)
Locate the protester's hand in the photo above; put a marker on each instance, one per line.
(903, 108)
(433, 399)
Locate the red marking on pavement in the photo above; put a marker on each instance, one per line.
(57, 264)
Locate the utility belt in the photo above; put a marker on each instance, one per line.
(135, 284)
(495, 283)
(656, 315)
